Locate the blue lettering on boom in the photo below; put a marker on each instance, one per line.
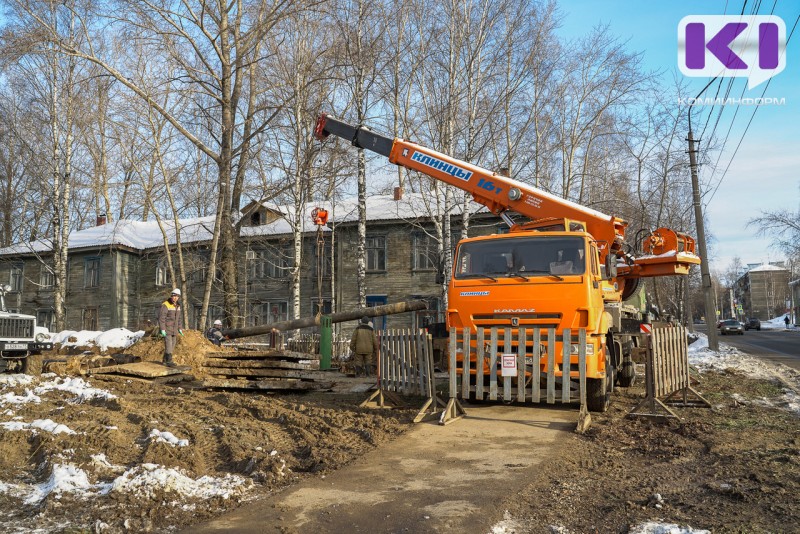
(443, 166)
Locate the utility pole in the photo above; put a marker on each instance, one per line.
(711, 307)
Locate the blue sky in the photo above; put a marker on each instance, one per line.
(764, 173)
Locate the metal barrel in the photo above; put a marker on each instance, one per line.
(305, 322)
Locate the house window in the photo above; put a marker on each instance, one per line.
(426, 252)
(46, 318)
(326, 305)
(16, 276)
(273, 262)
(90, 319)
(162, 274)
(376, 253)
(327, 257)
(432, 314)
(91, 274)
(268, 312)
(47, 278)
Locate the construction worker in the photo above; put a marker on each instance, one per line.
(170, 323)
(364, 347)
(214, 334)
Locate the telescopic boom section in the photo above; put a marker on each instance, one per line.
(495, 191)
(500, 194)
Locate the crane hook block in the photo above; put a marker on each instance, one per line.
(319, 216)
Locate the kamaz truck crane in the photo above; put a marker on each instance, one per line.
(568, 267)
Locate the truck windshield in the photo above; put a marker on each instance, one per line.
(528, 256)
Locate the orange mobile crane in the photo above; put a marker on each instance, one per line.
(565, 268)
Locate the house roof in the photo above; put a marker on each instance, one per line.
(143, 235)
(767, 267)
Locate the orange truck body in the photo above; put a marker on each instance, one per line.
(566, 268)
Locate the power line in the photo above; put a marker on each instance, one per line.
(750, 121)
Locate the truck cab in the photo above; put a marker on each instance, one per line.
(21, 345)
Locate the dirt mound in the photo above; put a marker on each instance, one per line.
(259, 443)
(192, 349)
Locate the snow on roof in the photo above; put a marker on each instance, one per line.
(143, 235)
(767, 267)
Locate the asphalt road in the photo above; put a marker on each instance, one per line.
(782, 346)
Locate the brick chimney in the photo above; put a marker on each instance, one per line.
(101, 219)
(398, 193)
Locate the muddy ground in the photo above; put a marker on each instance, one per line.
(732, 468)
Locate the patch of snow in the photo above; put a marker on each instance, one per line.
(63, 479)
(168, 437)
(75, 385)
(148, 479)
(652, 527)
(47, 425)
(118, 338)
(10, 381)
(11, 398)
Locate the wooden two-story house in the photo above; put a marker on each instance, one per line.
(118, 273)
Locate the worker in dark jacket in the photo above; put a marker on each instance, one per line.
(364, 347)
(214, 334)
(170, 324)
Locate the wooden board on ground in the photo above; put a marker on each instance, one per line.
(142, 369)
(263, 354)
(258, 364)
(273, 373)
(266, 384)
(170, 379)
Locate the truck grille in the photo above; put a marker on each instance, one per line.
(13, 327)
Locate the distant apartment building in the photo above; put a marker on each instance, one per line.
(763, 290)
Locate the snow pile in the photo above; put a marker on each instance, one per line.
(168, 437)
(63, 479)
(117, 338)
(75, 385)
(729, 357)
(664, 528)
(48, 425)
(12, 398)
(10, 381)
(778, 323)
(147, 480)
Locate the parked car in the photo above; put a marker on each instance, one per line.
(731, 326)
(752, 324)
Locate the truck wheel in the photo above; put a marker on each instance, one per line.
(627, 375)
(32, 365)
(597, 395)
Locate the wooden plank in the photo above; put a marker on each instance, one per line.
(273, 373)
(266, 384)
(453, 345)
(536, 373)
(171, 379)
(480, 361)
(506, 350)
(260, 364)
(143, 369)
(551, 365)
(522, 352)
(566, 352)
(493, 365)
(466, 365)
(262, 355)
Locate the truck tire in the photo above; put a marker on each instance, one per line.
(32, 365)
(597, 395)
(627, 375)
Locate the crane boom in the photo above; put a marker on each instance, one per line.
(669, 252)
